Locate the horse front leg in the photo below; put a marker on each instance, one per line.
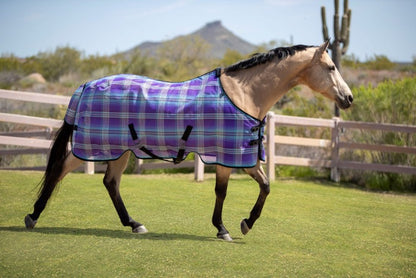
(221, 184)
(111, 181)
(258, 175)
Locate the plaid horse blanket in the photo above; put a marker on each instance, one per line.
(158, 119)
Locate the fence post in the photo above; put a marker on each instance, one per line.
(89, 168)
(198, 168)
(139, 164)
(335, 174)
(270, 130)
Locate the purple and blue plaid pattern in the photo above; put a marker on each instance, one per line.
(102, 110)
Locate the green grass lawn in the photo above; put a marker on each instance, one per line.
(307, 229)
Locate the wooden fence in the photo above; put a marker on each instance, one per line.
(334, 145)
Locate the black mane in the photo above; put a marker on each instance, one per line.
(261, 58)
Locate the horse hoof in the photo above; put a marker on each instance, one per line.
(244, 227)
(29, 222)
(140, 230)
(225, 237)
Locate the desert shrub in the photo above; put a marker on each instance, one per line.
(62, 61)
(8, 78)
(379, 62)
(140, 65)
(350, 61)
(9, 63)
(231, 57)
(389, 102)
(92, 63)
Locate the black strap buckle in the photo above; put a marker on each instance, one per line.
(255, 129)
(256, 141)
(258, 127)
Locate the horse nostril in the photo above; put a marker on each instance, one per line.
(350, 98)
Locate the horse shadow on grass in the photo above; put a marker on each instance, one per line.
(112, 233)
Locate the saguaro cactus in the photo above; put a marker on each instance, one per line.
(341, 35)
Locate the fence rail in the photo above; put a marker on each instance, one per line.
(34, 97)
(335, 145)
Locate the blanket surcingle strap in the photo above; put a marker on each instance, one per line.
(163, 120)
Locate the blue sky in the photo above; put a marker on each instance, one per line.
(382, 27)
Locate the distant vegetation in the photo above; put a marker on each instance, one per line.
(182, 59)
(378, 62)
(70, 67)
(378, 100)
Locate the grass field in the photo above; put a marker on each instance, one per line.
(307, 229)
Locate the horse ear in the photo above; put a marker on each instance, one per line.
(321, 50)
(325, 45)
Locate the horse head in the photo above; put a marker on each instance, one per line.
(322, 76)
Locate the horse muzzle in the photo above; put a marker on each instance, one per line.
(344, 101)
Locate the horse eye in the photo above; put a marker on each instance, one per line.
(331, 68)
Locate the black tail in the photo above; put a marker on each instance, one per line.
(57, 156)
(58, 153)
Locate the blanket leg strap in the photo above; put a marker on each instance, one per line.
(179, 158)
(142, 148)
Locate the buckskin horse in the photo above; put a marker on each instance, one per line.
(219, 115)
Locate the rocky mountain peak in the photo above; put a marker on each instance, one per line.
(213, 33)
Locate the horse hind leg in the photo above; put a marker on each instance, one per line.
(258, 175)
(51, 179)
(111, 181)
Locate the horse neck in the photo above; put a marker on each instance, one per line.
(257, 89)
